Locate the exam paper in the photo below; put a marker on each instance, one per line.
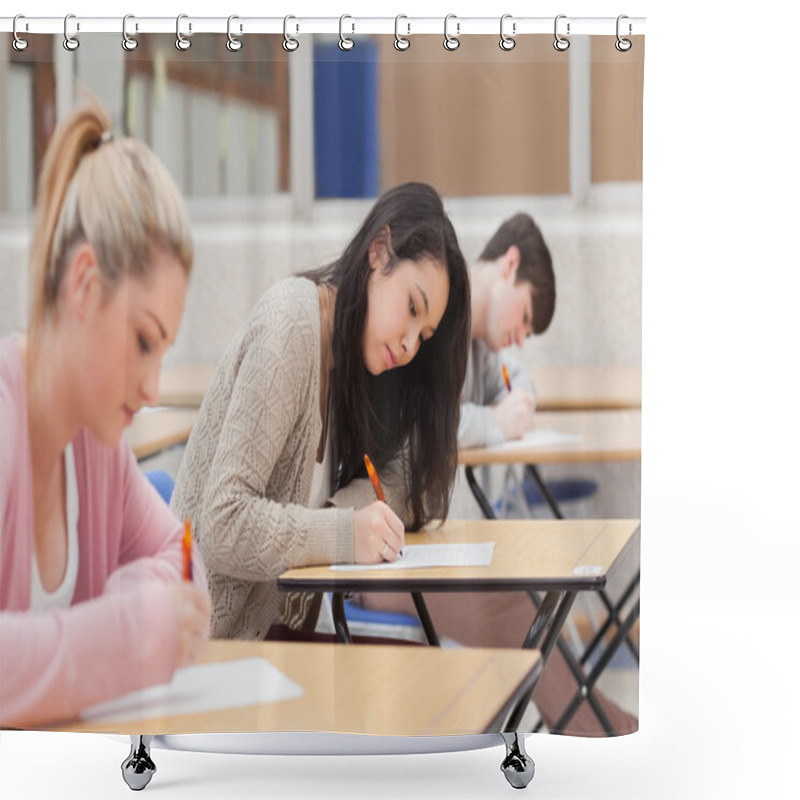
(433, 555)
(199, 688)
(537, 438)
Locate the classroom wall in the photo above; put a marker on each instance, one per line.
(243, 246)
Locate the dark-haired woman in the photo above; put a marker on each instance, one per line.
(367, 355)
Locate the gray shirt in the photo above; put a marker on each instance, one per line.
(484, 387)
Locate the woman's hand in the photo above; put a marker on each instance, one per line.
(192, 609)
(514, 413)
(379, 534)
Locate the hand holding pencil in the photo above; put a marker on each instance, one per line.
(514, 413)
(379, 533)
(191, 606)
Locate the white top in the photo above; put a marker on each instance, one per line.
(42, 600)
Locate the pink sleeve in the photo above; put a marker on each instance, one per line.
(54, 664)
(152, 538)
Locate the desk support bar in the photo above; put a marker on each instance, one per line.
(613, 618)
(340, 618)
(545, 611)
(425, 619)
(585, 689)
(545, 490)
(551, 615)
(478, 494)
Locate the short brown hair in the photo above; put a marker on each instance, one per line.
(535, 265)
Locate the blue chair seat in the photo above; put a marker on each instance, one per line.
(163, 483)
(563, 490)
(355, 613)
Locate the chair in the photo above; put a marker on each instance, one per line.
(163, 483)
(528, 493)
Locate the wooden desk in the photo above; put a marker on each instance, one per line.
(558, 388)
(368, 689)
(557, 557)
(153, 431)
(610, 435)
(185, 385)
(583, 388)
(529, 555)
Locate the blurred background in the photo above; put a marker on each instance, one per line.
(280, 155)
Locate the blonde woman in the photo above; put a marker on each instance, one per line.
(92, 604)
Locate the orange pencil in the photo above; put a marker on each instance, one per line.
(505, 378)
(187, 550)
(373, 476)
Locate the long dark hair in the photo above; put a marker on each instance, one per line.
(413, 409)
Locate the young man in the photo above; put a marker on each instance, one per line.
(513, 296)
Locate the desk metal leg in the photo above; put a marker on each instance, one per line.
(545, 490)
(478, 494)
(613, 611)
(340, 618)
(517, 766)
(425, 619)
(585, 690)
(138, 768)
(544, 634)
(613, 618)
(553, 637)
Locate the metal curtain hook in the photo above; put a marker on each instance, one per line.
(290, 44)
(506, 41)
(128, 42)
(19, 44)
(70, 42)
(400, 42)
(181, 42)
(561, 43)
(233, 44)
(623, 45)
(451, 42)
(344, 42)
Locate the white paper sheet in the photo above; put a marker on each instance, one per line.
(433, 555)
(199, 688)
(538, 438)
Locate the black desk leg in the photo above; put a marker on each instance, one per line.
(340, 618)
(478, 494)
(585, 690)
(613, 611)
(551, 615)
(425, 619)
(554, 638)
(545, 490)
(613, 618)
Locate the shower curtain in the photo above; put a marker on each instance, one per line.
(280, 153)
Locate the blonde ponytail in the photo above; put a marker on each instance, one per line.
(113, 193)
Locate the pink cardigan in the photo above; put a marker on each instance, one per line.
(120, 633)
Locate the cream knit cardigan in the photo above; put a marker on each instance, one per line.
(245, 477)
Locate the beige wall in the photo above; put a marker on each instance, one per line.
(517, 143)
(617, 82)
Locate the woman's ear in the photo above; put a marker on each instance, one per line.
(379, 249)
(82, 280)
(511, 261)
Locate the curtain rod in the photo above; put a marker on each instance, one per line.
(453, 25)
